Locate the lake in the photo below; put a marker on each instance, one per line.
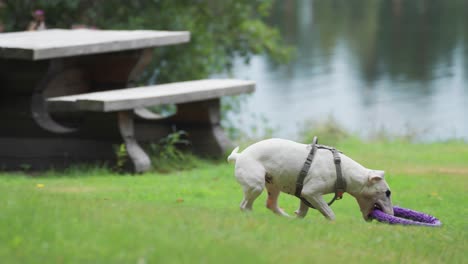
(394, 66)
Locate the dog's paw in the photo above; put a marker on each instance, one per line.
(299, 214)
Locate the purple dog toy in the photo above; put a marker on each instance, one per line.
(405, 216)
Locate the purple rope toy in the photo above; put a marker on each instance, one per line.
(405, 216)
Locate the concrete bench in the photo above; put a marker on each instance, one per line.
(197, 102)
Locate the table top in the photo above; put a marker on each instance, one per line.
(58, 43)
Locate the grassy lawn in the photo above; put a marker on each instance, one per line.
(95, 216)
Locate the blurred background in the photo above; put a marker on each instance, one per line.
(372, 67)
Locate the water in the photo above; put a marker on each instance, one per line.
(395, 66)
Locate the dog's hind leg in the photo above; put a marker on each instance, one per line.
(250, 194)
(272, 200)
(251, 176)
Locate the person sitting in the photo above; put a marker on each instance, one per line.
(39, 21)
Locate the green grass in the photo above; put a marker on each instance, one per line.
(95, 216)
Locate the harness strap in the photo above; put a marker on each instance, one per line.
(340, 184)
(305, 168)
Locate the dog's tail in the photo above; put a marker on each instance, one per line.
(233, 156)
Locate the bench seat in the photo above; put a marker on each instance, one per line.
(198, 109)
(133, 98)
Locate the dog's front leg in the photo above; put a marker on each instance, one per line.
(302, 211)
(319, 203)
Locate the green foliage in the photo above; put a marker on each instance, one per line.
(122, 158)
(168, 154)
(220, 30)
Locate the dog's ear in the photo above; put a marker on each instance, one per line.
(376, 176)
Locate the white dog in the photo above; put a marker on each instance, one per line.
(276, 163)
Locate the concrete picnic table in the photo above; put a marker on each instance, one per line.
(37, 66)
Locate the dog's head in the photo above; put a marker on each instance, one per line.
(375, 193)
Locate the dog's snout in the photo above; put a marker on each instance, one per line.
(389, 210)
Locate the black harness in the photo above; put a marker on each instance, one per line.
(340, 184)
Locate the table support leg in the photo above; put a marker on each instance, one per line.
(139, 158)
(39, 109)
